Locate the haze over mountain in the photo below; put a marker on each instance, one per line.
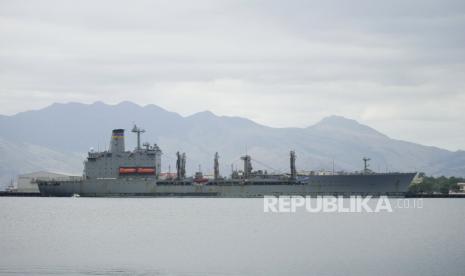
(57, 138)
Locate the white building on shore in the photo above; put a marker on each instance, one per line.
(461, 187)
(26, 182)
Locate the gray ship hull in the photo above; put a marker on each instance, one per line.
(392, 184)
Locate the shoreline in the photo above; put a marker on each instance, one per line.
(19, 194)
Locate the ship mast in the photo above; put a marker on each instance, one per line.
(366, 165)
(138, 131)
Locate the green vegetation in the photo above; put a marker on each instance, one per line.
(431, 185)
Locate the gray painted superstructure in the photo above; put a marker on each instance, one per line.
(118, 172)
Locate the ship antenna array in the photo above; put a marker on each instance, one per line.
(138, 131)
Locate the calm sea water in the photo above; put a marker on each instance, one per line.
(182, 236)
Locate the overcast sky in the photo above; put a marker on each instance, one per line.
(398, 66)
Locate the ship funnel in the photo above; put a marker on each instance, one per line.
(117, 141)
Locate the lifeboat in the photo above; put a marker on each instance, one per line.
(146, 170)
(126, 170)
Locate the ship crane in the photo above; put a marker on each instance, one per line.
(247, 165)
(180, 165)
(292, 163)
(216, 167)
(248, 169)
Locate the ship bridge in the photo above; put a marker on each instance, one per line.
(143, 161)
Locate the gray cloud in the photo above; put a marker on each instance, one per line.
(396, 65)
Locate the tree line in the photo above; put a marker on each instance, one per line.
(430, 184)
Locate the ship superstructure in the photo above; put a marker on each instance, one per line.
(118, 172)
(117, 162)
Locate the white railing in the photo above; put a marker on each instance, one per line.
(60, 178)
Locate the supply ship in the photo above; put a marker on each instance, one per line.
(137, 173)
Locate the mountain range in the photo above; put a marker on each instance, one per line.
(57, 138)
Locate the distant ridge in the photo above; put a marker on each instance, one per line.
(71, 129)
(339, 122)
